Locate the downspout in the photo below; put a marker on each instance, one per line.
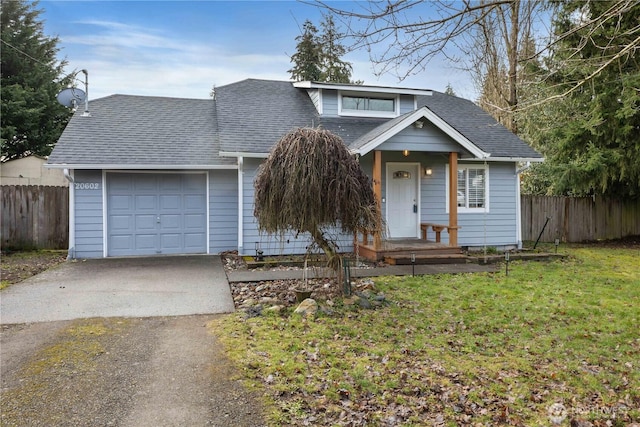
(240, 205)
(72, 214)
(518, 204)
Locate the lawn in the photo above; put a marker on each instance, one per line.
(552, 341)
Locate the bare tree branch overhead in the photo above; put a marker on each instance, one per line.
(402, 36)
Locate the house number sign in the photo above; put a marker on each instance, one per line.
(87, 185)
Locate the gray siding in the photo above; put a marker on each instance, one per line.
(407, 103)
(223, 218)
(272, 244)
(330, 103)
(494, 228)
(314, 94)
(429, 138)
(223, 210)
(88, 215)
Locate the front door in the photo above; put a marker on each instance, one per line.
(403, 206)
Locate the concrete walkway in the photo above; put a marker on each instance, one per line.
(391, 270)
(113, 287)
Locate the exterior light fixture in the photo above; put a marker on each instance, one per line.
(405, 152)
(418, 124)
(428, 172)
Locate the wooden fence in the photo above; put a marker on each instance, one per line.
(35, 216)
(38, 216)
(579, 219)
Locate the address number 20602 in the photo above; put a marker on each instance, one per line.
(87, 185)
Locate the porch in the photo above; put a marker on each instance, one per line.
(405, 251)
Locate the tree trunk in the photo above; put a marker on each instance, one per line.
(513, 65)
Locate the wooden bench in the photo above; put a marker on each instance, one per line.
(435, 227)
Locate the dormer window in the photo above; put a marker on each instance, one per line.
(367, 105)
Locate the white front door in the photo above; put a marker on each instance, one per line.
(403, 205)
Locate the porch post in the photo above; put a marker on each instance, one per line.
(453, 199)
(377, 191)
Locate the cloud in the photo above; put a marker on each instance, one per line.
(140, 60)
(128, 59)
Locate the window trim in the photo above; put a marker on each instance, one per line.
(487, 187)
(369, 113)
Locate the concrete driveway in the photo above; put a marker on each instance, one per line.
(114, 287)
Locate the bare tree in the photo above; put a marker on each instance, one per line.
(409, 33)
(482, 37)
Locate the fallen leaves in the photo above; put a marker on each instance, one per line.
(470, 354)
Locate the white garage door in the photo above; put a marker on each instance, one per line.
(149, 214)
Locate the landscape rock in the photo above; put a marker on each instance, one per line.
(364, 303)
(253, 311)
(249, 302)
(269, 301)
(307, 308)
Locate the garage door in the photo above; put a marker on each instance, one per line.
(149, 214)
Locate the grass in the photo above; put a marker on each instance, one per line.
(44, 376)
(480, 349)
(20, 265)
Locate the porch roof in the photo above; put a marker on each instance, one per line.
(478, 127)
(370, 140)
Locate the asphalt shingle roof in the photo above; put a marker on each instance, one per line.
(254, 114)
(141, 130)
(372, 133)
(477, 126)
(351, 129)
(249, 116)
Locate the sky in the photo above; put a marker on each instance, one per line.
(185, 48)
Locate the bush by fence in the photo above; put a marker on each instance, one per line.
(35, 217)
(579, 219)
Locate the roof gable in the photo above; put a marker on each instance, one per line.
(382, 133)
(478, 127)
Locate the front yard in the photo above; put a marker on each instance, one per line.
(552, 342)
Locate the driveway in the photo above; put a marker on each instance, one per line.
(120, 287)
(121, 342)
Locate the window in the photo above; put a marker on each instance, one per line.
(471, 187)
(367, 104)
(356, 104)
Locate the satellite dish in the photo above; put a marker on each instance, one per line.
(71, 97)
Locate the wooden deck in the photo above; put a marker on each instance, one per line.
(400, 251)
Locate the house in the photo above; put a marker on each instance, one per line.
(155, 175)
(30, 171)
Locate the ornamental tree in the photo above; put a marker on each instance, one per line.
(310, 183)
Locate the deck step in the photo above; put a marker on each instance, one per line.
(424, 252)
(397, 259)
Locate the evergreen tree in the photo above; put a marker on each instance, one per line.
(589, 135)
(308, 57)
(318, 56)
(449, 90)
(32, 120)
(334, 69)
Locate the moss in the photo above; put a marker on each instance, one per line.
(75, 353)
